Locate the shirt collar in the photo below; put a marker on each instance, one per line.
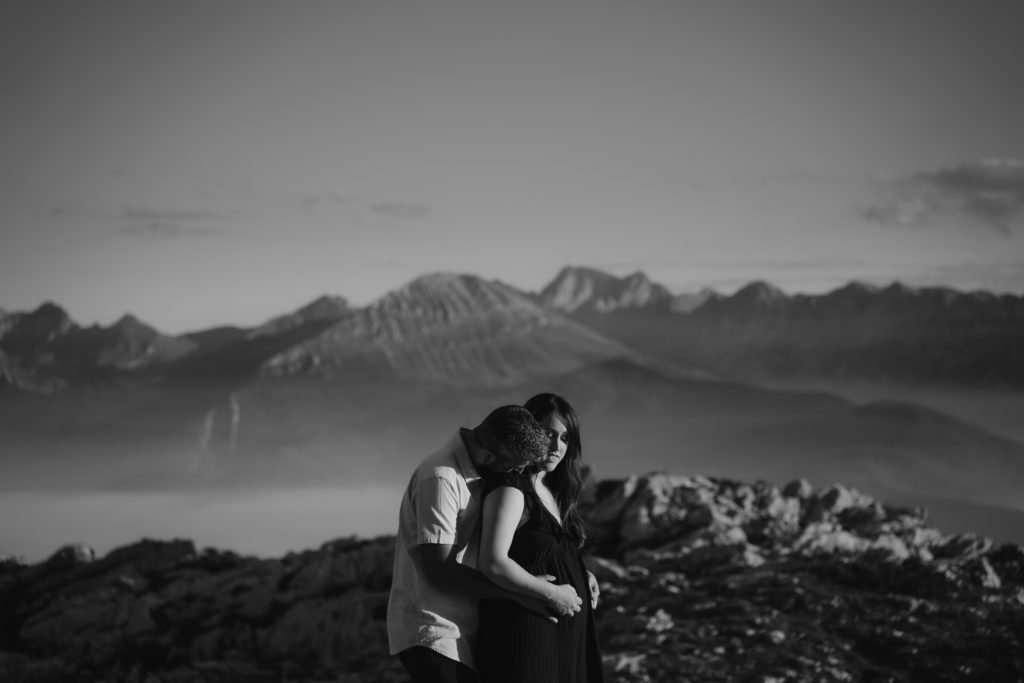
(466, 466)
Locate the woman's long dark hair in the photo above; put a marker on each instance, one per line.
(565, 481)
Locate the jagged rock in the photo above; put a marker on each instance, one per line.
(989, 578)
(151, 555)
(645, 515)
(827, 537)
(833, 500)
(640, 510)
(798, 488)
(1008, 561)
(776, 522)
(720, 557)
(891, 547)
(69, 556)
(960, 545)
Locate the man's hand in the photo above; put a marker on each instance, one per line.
(595, 589)
(536, 605)
(564, 601)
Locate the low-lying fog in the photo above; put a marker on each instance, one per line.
(86, 493)
(273, 522)
(266, 523)
(1000, 412)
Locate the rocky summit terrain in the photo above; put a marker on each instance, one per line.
(701, 580)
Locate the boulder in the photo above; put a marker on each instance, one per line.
(69, 556)
(964, 546)
(800, 489)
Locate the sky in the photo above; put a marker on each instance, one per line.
(207, 162)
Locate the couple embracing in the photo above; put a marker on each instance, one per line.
(489, 584)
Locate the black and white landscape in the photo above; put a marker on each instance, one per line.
(258, 258)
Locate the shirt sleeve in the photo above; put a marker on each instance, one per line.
(437, 511)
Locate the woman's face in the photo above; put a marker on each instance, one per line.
(558, 444)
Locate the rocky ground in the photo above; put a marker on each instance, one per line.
(702, 580)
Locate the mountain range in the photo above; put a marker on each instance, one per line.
(859, 332)
(896, 334)
(335, 392)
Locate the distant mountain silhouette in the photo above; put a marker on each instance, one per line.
(895, 335)
(46, 350)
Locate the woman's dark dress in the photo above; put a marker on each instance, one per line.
(520, 646)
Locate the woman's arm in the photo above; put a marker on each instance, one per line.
(503, 508)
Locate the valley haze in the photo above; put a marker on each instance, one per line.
(276, 437)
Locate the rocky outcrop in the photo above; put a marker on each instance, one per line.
(163, 611)
(749, 582)
(701, 580)
(699, 521)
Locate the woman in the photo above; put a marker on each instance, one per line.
(532, 528)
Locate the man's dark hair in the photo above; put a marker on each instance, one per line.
(513, 433)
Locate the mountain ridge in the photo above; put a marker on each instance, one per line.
(896, 335)
(587, 296)
(895, 288)
(504, 336)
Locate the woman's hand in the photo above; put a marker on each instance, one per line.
(564, 601)
(595, 589)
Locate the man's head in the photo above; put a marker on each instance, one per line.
(509, 437)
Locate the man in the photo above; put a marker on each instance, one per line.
(432, 610)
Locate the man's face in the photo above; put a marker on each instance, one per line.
(505, 460)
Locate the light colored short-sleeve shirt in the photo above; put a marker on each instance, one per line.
(441, 505)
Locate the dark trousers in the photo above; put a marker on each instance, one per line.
(426, 666)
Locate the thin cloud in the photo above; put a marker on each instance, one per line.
(401, 211)
(164, 224)
(987, 194)
(365, 211)
(315, 202)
